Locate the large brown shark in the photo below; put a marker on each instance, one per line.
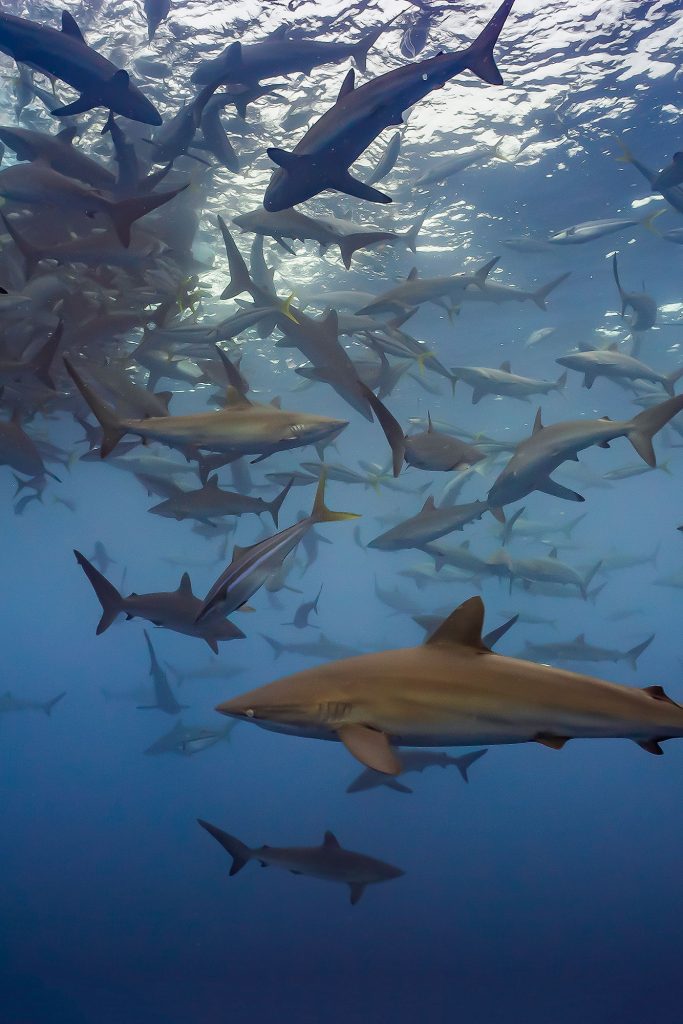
(454, 691)
(329, 861)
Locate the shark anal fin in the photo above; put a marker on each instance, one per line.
(548, 740)
(357, 891)
(370, 747)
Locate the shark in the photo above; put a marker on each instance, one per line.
(321, 159)
(188, 739)
(329, 861)
(175, 610)
(453, 691)
(210, 502)
(430, 523)
(9, 704)
(579, 649)
(414, 761)
(617, 366)
(486, 381)
(67, 56)
(535, 459)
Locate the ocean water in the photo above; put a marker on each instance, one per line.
(548, 888)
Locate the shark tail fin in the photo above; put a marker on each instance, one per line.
(240, 281)
(672, 379)
(589, 577)
(348, 244)
(364, 45)
(276, 504)
(106, 592)
(635, 652)
(626, 154)
(49, 704)
(466, 760)
(391, 427)
(645, 425)
(240, 853)
(541, 294)
(508, 525)
(104, 414)
(320, 513)
(479, 55)
(124, 212)
(410, 236)
(42, 361)
(30, 252)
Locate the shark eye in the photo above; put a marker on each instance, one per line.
(249, 712)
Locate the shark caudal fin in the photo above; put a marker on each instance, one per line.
(240, 853)
(320, 513)
(645, 425)
(240, 281)
(31, 253)
(364, 45)
(634, 653)
(393, 430)
(124, 212)
(463, 762)
(275, 505)
(103, 413)
(49, 704)
(478, 56)
(42, 361)
(107, 594)
(671, 380)
(541, 294)
(348, 244)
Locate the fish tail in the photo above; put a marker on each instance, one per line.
(588, 578)
(671, 380)
(42, 361)
(541, 294)
(479, 55)
(635, 652)
(645, 425)
(463, 763)
(286, 308)
(275, 505)
(124, 212)
(391, 427)
(107, 594)
(410, 236)
(649, 221)
(240, 853)
(626, 154)
(49, 704)
(104, 414)
(320, 513)
(240, 281)
(348, 244)
(30, 252)
(364, 45)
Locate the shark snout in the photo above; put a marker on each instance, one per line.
(237, 707)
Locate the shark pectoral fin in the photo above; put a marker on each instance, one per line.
(345, 182)
(650, 746)
(549, 486)
(548, 740)
(79, 106)
(357, 891)
(370, 747)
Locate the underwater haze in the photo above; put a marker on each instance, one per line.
(299, 369)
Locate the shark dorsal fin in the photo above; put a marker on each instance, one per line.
(429, 505)
(465, 545)
(658, 693)
(538, 423)
(413, 275)
(348, 85)
(552, 553)
(430, 428)
(580, 639)
(235, 399)
(70, 27)
(614, 347)
(330, 841)
(506, 366)
(462, 627)
(212, 482)
(185, 585)
(276, 402)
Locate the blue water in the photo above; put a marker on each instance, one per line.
(548, 889)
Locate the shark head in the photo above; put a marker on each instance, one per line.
(311, 429)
